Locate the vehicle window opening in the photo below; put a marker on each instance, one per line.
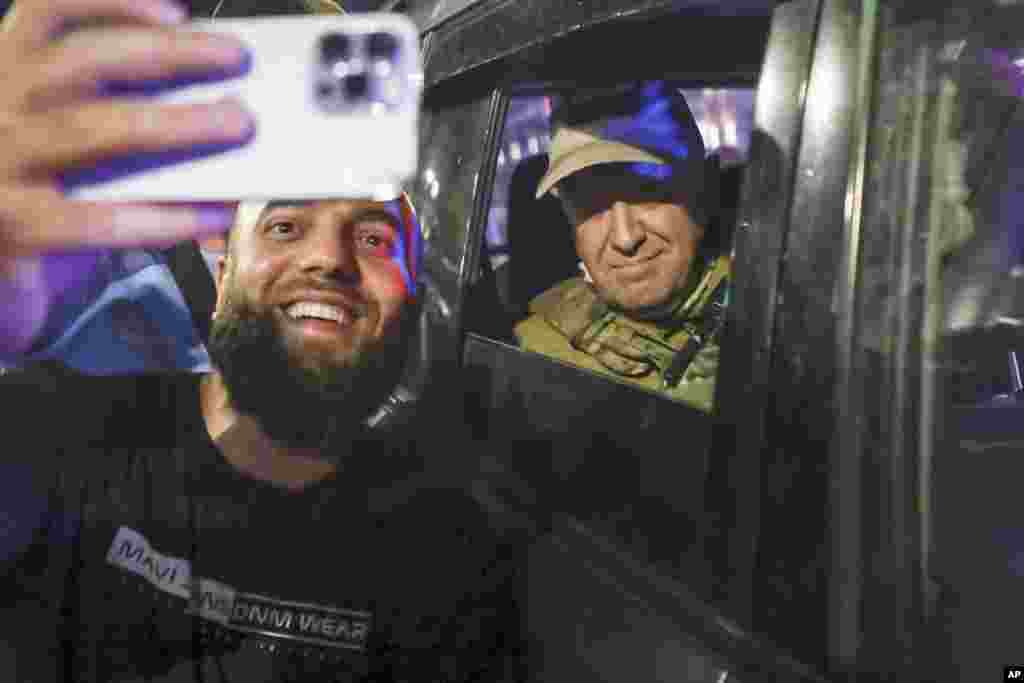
(529, 246)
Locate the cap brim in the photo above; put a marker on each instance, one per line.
(597, 152)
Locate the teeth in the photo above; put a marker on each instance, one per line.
(312, 309)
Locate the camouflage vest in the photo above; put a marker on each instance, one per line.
(677, 356)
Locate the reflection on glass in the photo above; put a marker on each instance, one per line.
(526, 134)
(451, 156)
(725, 118)
(974, 417)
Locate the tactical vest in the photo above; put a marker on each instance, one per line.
(677, 356)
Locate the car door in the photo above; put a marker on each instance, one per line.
(622, 576)
(929, 393)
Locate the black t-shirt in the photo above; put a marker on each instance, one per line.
(134, 552)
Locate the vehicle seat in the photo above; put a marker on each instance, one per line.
(540, 242)
(730, 186)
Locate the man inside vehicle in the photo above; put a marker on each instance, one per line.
(238, 525)
(630, 170)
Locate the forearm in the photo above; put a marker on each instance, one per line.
(41, 229)
(24, 304)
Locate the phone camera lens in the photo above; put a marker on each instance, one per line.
(335, 47)
(356, 86)
(382, 46)
(325, 90)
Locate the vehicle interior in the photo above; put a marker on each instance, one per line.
(528, 244)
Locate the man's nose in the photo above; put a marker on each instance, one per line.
(626, 234)
(330, 254)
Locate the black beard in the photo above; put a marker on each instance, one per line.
(295, 405)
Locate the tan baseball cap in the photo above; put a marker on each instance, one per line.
(574, 149)
(645, 123)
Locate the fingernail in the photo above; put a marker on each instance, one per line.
(234, 56)
(231, 120)
(245, 65)
(171, 12)
(22, 270)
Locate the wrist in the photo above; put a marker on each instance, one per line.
(24, 304)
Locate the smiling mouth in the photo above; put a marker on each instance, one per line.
(318, 320)
(639, 262)
(315, 310)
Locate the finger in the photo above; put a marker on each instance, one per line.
(38, 222)
(7, 23)
(31, 24)
(81, 63)
(73, 138)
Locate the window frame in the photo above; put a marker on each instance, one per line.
(766, 218)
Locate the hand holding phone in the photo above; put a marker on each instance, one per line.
(53, 121)
(336, 101)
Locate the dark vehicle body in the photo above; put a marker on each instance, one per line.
(827, 522)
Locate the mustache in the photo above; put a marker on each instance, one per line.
(637, 260)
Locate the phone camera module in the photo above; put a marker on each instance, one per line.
(356, 86)
(356, 72)
(334, 48)
(325, 90)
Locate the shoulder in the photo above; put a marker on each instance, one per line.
(52, 378)
(536, 332)
(80, 409)
(533, 332)
(46, 393)
(547, 301)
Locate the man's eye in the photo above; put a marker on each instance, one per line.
(376, 236)
(281, 229)
(582, 209)
(376, 241)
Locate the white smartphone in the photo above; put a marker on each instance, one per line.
(336, 101)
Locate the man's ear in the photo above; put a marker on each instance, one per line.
(220, 280)
(554, 192)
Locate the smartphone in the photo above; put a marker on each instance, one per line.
(336, 101)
